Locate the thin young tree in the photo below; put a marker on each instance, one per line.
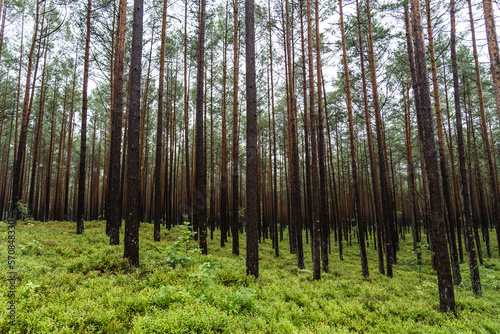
(159, 129)
(224, 179)
(235, 151)
(83, 140)
(200, 210)
(186, 120)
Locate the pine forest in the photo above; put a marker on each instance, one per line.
(256, 166)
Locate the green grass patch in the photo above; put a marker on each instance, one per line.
(70, 283)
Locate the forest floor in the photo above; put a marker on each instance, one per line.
(70, 283)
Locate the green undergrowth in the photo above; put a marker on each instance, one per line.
(72, 283)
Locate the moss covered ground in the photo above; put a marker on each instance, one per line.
(70, 283)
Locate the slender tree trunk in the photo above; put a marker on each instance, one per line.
(323, 214)
(186, 121)
(411, 172)
(235, 155)
(131, 243)
(494, 192)
(159, 129)
(471, 250)
(275, 169)
(491, 34)
(38, 134)
(21, 147)
(200, 172)
(224, 208)
(83, 141)
(455, 266)
(47, 215)
(382, 155)
(371, 150)
(424, 117)
(316, 232)
(296, 221)
(252, 205)
(357, 200)
(70, 144)
(308, 190)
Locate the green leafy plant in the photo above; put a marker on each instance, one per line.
(182, 250)
(416, 262)
(34, 247)
(241, 300)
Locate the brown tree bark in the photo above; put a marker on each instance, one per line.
(379, 218)
(296, 219)
(386, 195)
(235, 153)
(131, 243)
(455, 266)
(70, 144)
(200, 191)
(471, 250)
(275, 169)
(354, 162)
(252, 204)
(83, 140)
(46, 215)
(323, 214)
(21, 147)
(424, 118)
(188, 207)
(38, 134)
(316, 225)
(491, 34)
(224, 208)
(159, 129)
(494, 191)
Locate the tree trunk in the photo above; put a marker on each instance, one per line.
(424, 118)
(357, 200)
(471, 250)
(131, 243)
(491, 34)
(316, 232)
(83, 141)
(494, 192)
(159, 129)
(455, 266)
(235, 155)
(296, 221)
(115, 204)
(224, 208)
(371, 150)
(21, 147)
(252, 205)
(200, 172)
(382, 155)
(186, 121)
